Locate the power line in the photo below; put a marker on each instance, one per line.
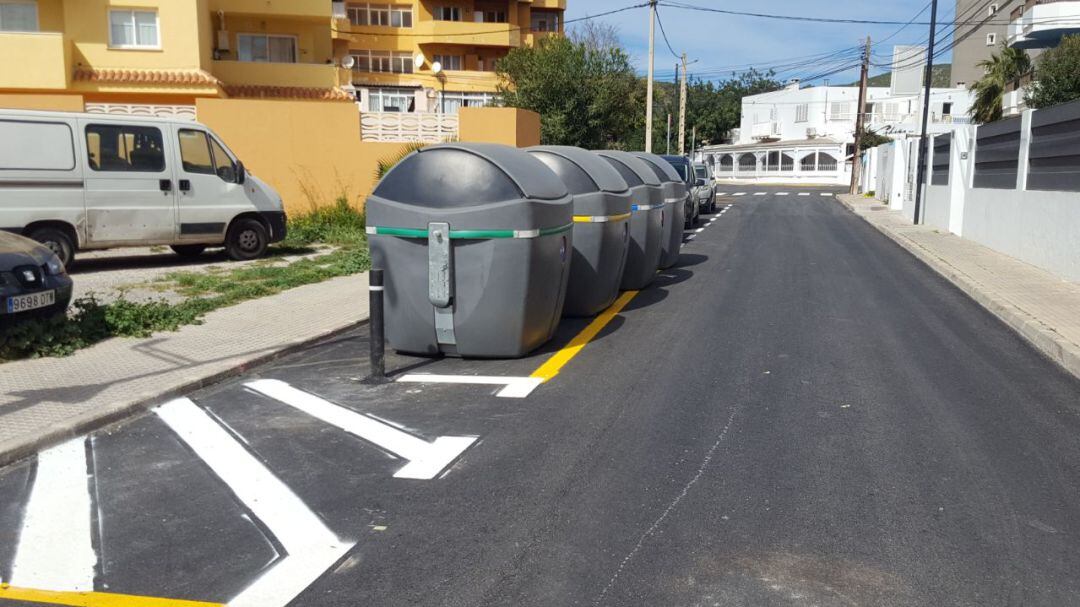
(664, 34)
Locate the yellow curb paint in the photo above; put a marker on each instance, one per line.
(92, 599)
(558, 360)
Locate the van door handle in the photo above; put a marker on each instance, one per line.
(185, 185)
(165, 185)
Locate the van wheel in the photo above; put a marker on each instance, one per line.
(188, 250)
(247, 239)
(57, 241)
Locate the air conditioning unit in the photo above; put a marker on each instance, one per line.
(811, 132)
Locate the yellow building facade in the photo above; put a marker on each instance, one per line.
(164, 54)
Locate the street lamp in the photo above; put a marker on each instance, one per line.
(436, 68)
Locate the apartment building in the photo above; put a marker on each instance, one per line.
(1036, 25)
(980, 30)
(157, 57)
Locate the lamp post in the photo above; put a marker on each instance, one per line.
(436, 68)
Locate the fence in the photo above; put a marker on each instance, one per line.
(1054, 152)
(939, 174)
(997, 155)
(408, 126)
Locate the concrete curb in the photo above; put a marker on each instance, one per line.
(16, 450)
(1040, 335)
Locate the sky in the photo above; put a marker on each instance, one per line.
(720, 42)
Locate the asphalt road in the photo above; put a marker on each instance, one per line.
(800, 413)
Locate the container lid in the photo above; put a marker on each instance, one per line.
(581, 170)
(663, 169)
(635, 164)
(457, 175)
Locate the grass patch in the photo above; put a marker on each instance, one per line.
(91, 321)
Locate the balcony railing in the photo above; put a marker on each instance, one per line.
(469, 33)
(176, 112)
(424, 127)
(310, 75)
(313, 9)
(35, 60)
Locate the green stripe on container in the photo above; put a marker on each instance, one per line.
(469, 234)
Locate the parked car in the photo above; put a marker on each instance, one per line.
(90, 181)
(32, 279)
(705, 187)
(682, 165)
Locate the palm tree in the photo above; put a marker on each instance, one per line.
(1001, 69)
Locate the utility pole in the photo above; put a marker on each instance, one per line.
(682, 109)
(860, 120)
(675, 86)
(649, 85)
(693, 143)
(927, 81)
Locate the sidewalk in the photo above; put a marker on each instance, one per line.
(46, 400)
(1038, 305)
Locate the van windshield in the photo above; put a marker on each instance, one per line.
(700, 172)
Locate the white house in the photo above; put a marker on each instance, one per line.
(807, 135)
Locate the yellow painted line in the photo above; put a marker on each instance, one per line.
(558, 360)
(92, 599)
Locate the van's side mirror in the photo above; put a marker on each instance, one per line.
(241, 172)
(700, 183)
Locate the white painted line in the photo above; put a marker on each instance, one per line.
(759, 193)
(311, 548)
(690, 237)
(699, 230)
(714, 218)
(826, 193)
(516, 387)
(426, 460)
(804, 193)
(781, 193)
(55, 550)
(721, 193)
(740, 193)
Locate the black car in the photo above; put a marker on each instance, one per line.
(686, 171)
(32, 279)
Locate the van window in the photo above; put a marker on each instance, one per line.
(40, 146)
(125, 148)
(700, 172)
(195, 152)
(223, 163)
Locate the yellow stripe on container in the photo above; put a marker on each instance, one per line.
(600, 218)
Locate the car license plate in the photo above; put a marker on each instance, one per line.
(31, 301)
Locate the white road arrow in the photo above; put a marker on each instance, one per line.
(426, 460)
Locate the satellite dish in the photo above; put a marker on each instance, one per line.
(436, 67)
(418, 60)
(348, 62)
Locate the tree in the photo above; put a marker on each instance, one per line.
(870, 139)
(1057, 79)
(583, 90)
(1001, 69)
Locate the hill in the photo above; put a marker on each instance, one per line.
(942, 77)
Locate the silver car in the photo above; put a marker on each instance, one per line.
(705, 188)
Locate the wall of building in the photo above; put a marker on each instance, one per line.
(508, 126)
(972, 49)
(182, 31)
(51, 103)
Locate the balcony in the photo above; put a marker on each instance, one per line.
(548, 4)
(44, 60)
(1043, 23)
(765, 131)
(503, 35)
(299, 9)
(307, 75)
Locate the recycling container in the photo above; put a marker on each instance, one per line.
(601, 226)
(647, 219)
(675, 193)
(475, 240)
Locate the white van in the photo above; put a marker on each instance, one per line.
(91, 181)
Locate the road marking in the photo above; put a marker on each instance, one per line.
(55, 549)
(558, 360)
(699, 230)
(311, 548)
(426, 460)
(804, 193)
(515, 387)
(92, 599)
(826, 194)
(740, 193)
(781, 193)
(690, 237)
(759, 193)
(721, 194)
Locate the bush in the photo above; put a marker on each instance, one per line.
(337, 224)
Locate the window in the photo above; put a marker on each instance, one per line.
(382, 61)
(447, 13)
(200, 153)
(455, 100)
(391, 100)
(490, 16)
(946, 109)
(802, 112)
(400, 16)
(841, 110)
(450, 62)
(386, 15)
(544, 21)
(18, 17)
(133, 29)
(991, 39)
(262, 48)
(701, 173)
(125, 148)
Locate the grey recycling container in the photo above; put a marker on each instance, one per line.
(646, 218)
(674, 206)
(601, 226)
(475, 240)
